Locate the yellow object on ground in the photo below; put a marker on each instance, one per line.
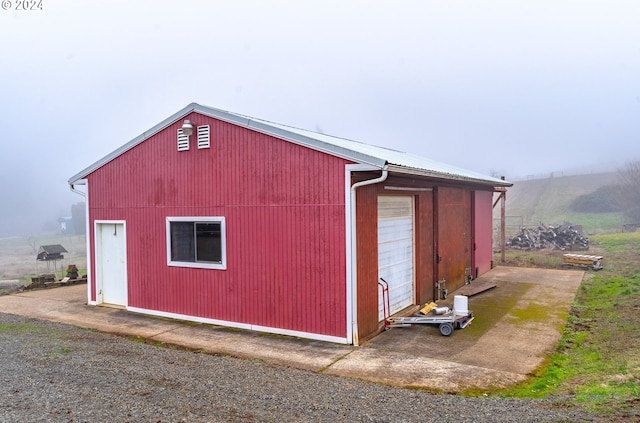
(428, 307)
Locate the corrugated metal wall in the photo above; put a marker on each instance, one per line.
(285, 225)
(424, 247)
(367, 260)
(453, 244)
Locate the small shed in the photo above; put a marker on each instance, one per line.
(220, 218)
(51, 252)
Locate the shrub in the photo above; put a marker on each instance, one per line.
(605, 199)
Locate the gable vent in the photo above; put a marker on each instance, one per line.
(183, 140)
(203, 137)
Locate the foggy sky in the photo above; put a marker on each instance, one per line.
(510, 88)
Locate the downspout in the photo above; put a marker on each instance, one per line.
(352, 236)
(87, 232)
(436, 245)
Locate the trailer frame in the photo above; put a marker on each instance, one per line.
(446, 321)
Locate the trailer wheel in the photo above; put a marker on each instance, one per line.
(446, 329)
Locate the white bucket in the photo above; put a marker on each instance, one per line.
(461, 305)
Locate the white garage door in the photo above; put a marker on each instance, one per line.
(396, 251)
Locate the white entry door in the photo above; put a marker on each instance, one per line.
(111, 264)
(396, 251)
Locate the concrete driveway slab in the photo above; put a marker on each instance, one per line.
(401, 368)
(275, 349)
(516, 327)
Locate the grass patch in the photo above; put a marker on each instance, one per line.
(20, 328)
(61, 352)
(597, 360)
(548, 259)
(26, 280)
(36, 331)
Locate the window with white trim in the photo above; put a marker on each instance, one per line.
(196, 242)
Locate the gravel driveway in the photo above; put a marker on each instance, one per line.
(56, 373)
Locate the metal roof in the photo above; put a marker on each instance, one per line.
(383, 158)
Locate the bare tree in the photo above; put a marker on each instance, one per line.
(33, 243)
(629, 177)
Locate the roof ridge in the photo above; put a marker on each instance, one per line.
(355, 151)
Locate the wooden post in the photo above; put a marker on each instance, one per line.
(503, 200)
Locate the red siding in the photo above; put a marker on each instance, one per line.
(483, 233)
(367, 247)
(285, 224)
(367, 261)
(424, 247)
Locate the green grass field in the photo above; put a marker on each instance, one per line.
(548, 201)
(597, 361)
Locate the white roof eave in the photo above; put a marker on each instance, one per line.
(484, 180)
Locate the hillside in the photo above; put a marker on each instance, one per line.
(548, 201)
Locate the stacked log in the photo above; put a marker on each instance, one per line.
(556, 237)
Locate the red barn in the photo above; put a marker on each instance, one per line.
(220, 218)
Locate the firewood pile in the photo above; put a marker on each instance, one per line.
(561, 237)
